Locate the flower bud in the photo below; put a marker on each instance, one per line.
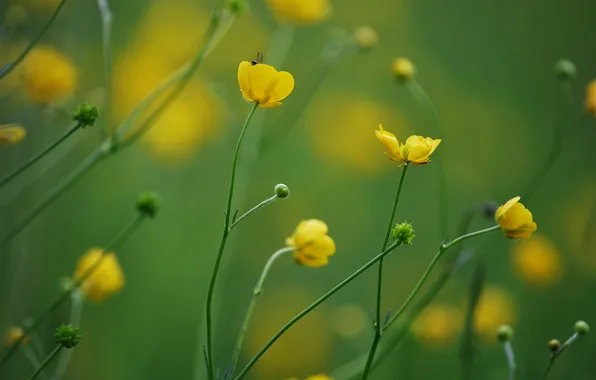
(565, 69)
(403, 233)
(85, 115)
(282, 191)
(237, 6)
(554, 345)
(581, 328)
(505, 333)
(148, 204)
(366, 37)
(403, 69)
(67, 336)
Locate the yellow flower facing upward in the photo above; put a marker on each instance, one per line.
(417, 149)
(13, 334)
(438, 325)
(312, 244)
(264, 84)
(11, 134)
(537, 261)
(515, 219)
(300, 12)
(49, 75)
(106, 279)
(591, 97)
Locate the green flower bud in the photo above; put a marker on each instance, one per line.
(505, 333)
(403, 233)
(67, 336)
(581, 327)
(237, 6)
(282, 191)
(85, 115)
(565, 69)
(554, 345)
(148, 204)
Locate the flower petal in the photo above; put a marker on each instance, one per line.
(285, 85)
(260, 77)
(243, 80)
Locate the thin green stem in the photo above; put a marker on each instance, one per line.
(377, 335)
(208, 312)
(74, 319)
(444, 248)
(40, 155)
(106, 23)
(12, 65)
(467, 343)
(312, 306)
(510, 359)
(46, 362)
(246, 214)
(256, 293)
(556, 355)
(32, 357)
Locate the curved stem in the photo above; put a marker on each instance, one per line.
(11, 66)
(256, 293)
(312, 306)
(46, 362)
(208, 313)
(39, 156)
(510, 359)
(246, 214)
(558, 353)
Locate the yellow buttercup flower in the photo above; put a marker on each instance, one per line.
(319, 377)
(515, 219)
(11, 134)
(366, 37)
(494, 309)
(417, 149)
(537, 261)
(13, 334)
(312, 244)
(300, 12)
(403, 68)
(264, 84)
(591, 97)
(438, 325)
(49, 75)
(106, 279)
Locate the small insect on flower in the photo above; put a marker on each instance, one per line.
(300, 12)
(312, 244)
(11, 134)
(106, 277)
(515, 219)
(263, 84)
(417, 149)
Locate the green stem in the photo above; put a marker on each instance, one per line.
(312, 306)
(556, 355)
(40, 155)
(46, 362)
(74, 319)
(510, 359)
(32, 357)
(467, 342)
(208, 313)
(12, 65)
(256, 293)
(444, 248)
(106, 22)
(377, 336)
(246, 214)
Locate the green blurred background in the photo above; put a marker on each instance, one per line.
(489, 69)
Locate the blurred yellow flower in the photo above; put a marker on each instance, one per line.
(366, 37)
(591, 97)
(264, 84)
(300, 12)
(403, 68)
(319, 377)
(11, 134)
(49, 75)
(106, 279)
(416, 150)
(515, 219)
(13, 334)
(494, 309)
(537, 261)
(438, 324)
(349, 320)
(313, 245)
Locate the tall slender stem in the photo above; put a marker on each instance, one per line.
(257, 207)
(377, 336)
(556, 354)
(510, 359)
(222, 245)
(39, 156)
(106, 24)
(74, 319)
(46, 362)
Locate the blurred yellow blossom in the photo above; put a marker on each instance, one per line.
(11, 134)
(417, 149)
(300, 12)
(494, 308)
(49, 75)
(366, 37)
(515, 219)
(591, 97)
(349, 320)
(537, 261)
(438, 324)
(319, 377)
(313, 245)
(13, 334)
(403, 68)
(264, 84)
(105, 280)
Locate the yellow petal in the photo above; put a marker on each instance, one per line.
(390, 143)
(260, 77)
(284, 87)
(11, 134)
(243, 81)
(505, 208)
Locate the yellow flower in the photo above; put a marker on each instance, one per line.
(515, 219)
(49, 75)
(13, 334)
(312, 244)
(11, 134)
(438, 325)
(494, 309)
(349, 320)
(366, 37)
(591, 97)
(300, 12)
(319, 377)
(403, 68)
(416, 150)
(264, 84)
(106, 279)
(537, 261)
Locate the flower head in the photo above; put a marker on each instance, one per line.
(515, 219)
(106, 279)
(505, 333)
(49, 75)
(581, 327)
(537, 261)
(494, 308)
(438, 324)
(591, 97)
(13, 335)
(300, 12)
(67, 336)
(319, 377)
(85, 115)
(263, 84)
(403, 69)
(148, 204)
(312, 244)
(11, 134)
(366, 37)
(417, 149)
